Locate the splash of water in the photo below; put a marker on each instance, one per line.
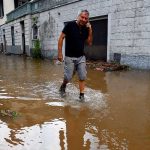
(93, 98)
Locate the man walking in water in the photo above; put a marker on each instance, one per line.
(76, 33)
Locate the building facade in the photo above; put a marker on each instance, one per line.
(121, 29)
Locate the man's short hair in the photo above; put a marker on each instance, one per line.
(83, 10)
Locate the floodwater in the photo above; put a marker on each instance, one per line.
(114, 116)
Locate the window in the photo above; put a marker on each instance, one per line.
(35, 31)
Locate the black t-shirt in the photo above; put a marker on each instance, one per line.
(75, 39)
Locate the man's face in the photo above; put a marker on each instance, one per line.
(83, 18)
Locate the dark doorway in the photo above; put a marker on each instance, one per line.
(4, 41)
(1, 9)
(16, 3)
(12, 35)
(4, 46)
(98, 51)
(23, 37)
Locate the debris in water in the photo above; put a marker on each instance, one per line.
(106, 66)
(10, 113)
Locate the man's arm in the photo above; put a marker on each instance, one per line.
(60, 44)
(90, 34)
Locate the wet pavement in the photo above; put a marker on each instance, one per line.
(114, 116)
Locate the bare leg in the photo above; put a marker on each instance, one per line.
(81, 86)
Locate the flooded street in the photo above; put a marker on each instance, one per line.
(114, 116)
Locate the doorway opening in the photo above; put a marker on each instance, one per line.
(4, 41)
(98, 50)
(23, 46)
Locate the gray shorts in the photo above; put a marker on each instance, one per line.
(73, 65)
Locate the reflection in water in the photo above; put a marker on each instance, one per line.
(115, 114)
(45, 136)
(75, 130)
(97, 80)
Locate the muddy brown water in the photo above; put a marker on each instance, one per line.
(114, 116)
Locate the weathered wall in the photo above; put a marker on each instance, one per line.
(52, 22)
(128, 28)
(48, 33)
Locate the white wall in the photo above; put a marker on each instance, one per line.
(128, 27)
(8, 7)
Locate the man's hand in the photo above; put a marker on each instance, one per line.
(60, 43)
(60, 57)
(88, 25)
(90, 36)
